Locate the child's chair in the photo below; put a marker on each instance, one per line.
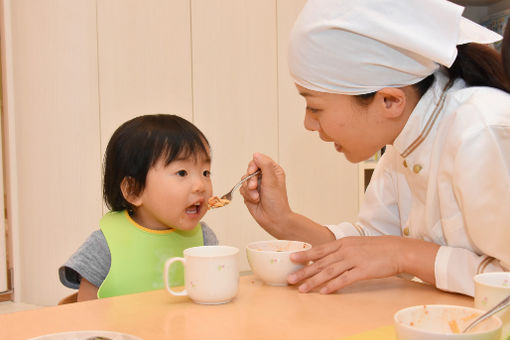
(69, 299)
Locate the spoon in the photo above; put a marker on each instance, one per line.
(503, 304)
(215, 202)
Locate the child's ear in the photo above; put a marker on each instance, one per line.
(392, 101)
(126, 186)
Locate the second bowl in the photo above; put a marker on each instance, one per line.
(444, 322)
(270, 260)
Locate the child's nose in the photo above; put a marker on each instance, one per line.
(199, 185)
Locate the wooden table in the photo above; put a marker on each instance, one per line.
(258, 312)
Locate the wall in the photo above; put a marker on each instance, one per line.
(54, 145)
(75, 70)
(3, 230)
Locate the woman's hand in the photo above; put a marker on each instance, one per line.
(267, 203)
(342, 262)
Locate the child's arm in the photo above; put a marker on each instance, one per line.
(87, 291)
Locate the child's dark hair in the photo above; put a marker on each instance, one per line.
(138, 144)
(476, 64)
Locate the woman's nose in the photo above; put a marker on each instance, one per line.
(311, 124)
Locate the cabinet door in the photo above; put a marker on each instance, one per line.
(235, 100)
(144, 58)
(3, 253)
(321, 183)
(52, 119)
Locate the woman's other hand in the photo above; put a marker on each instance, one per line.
(342, 262)
(267, 200)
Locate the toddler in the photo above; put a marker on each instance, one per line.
(156, 184)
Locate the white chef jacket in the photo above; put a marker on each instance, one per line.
(446, 179)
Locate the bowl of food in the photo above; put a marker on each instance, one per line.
(444, 322)
(270, 260)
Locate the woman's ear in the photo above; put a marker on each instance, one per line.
(392, 101)
(127, 187)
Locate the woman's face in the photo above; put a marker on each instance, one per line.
(357, 131)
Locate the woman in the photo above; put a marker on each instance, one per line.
(418, 77)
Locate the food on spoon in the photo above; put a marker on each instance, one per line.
(217, 202)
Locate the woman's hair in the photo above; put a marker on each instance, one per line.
(138, 144)
(481, 65)
(476, 64)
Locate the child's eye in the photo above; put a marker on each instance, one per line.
(182, 173)
(207, 173)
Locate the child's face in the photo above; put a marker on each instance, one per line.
(358, 132)
(175, 195)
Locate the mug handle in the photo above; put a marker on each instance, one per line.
(165, 275)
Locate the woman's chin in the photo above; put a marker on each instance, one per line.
(354, 158)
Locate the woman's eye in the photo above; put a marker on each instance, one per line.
(312, 110)
(207, 173)
(182, 173)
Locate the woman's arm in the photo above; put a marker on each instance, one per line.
(267, 202)
(345, 261)
(301, 228)
(475, 221)
(87, 290)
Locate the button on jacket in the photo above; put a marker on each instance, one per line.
(446, 179)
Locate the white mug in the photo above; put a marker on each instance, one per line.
(490, 289)
(211, 274)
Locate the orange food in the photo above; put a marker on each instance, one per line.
(470, 317)
(454, 327)
(216, 202)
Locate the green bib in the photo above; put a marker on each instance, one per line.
(138, 254)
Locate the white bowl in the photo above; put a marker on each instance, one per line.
(441, 322)
(270, 260)
(490, 289)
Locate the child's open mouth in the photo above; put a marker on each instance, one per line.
(193, 209)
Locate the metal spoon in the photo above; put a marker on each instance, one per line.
(225, 199)
(503, 304)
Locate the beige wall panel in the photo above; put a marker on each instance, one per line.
(3, 244)
(322, 184)
(235, 100)
(144, 57)
(56, 139)
(3, 229)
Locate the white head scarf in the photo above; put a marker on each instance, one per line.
(360, 46)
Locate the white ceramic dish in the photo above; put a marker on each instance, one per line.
(270, 260)
(490, 289)
(85, 335)
(444, 322)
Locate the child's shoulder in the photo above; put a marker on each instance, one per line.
(210, 238)
(95, 244)
(91, 260)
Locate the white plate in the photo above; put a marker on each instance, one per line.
(86, 335)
